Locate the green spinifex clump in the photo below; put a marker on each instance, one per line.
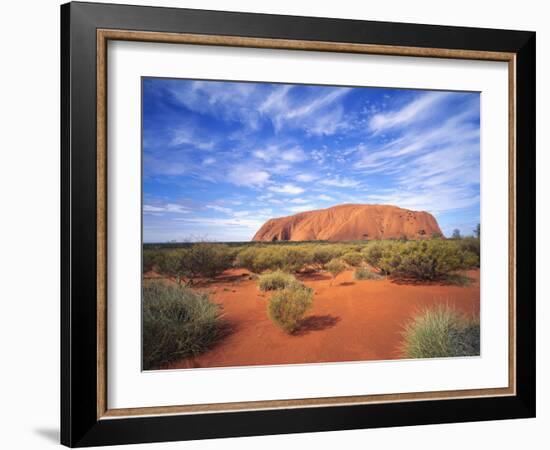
(441, 332)
(362, 273)
(177, 322)
(335, 267)
(423, 260)
(273, 281)
(287, 307)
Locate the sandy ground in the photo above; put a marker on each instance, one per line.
(350, 320)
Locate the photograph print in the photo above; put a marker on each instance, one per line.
(302, 224)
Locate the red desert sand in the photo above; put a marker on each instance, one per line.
(350, 222)
(350, 321)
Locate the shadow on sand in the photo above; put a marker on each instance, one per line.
(449, 280)
(313, 276)
(316, 323)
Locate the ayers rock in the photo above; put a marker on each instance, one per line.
(350, 223)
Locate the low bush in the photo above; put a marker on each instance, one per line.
(275, 280)
(281, 257)
(363, 273)
(322, 254)
(150, 260)
(287, 307)
(375, 251)
(171, 264)
(422, 260)
(335, 267)
(198, 260)
(470, 247)
(441, 332)
(353, 258)
(207, 260)
(177, 323)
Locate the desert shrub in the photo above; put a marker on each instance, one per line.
(150, 260)
(295, 258)
(335, 267)
(245, 258)
(171, 264)
(207, 259)
(470, 245)
(477, 231)
(353, 258)
(322, 254)
(428, 261)
(177, 323)
(441, 332)
(423, 260)
(198, 260)
(373, 253)
(275, 281)
(362, 273)
(287, 307)
(286, 258)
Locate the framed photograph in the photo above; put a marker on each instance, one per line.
(276, 224)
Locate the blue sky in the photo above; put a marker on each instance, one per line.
(220, 158)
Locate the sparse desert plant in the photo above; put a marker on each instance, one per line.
(441, 332)
(245, 258)
(197, 260)
(295, 258)
(171, 264)
(287, 307)
(362, 273)
(353, 258)
(322, 254)
(150, 259)
(335, 267)
(423, 260)
(275, 280)
(470, 244)
(258, 259)
(207, 259)
(477, 231)
(177, 323)
(373, 253)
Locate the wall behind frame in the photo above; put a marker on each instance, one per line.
(29, 229)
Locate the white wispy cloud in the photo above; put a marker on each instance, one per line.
(280, 152)
(316, 114)
(226, 222)
(409, 113)
(455, 130)
(246, 175)
(295, 154)
(276, 100)
(186, 136)
(340, 182)
(305, 177)
(326, 198)
(299, 200)
(302, 208)
(288, 188)
(219, 208)
(166, 208)
(230, 102)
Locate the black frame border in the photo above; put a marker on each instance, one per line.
(79, 423)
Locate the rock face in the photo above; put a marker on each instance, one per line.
(350, 223)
